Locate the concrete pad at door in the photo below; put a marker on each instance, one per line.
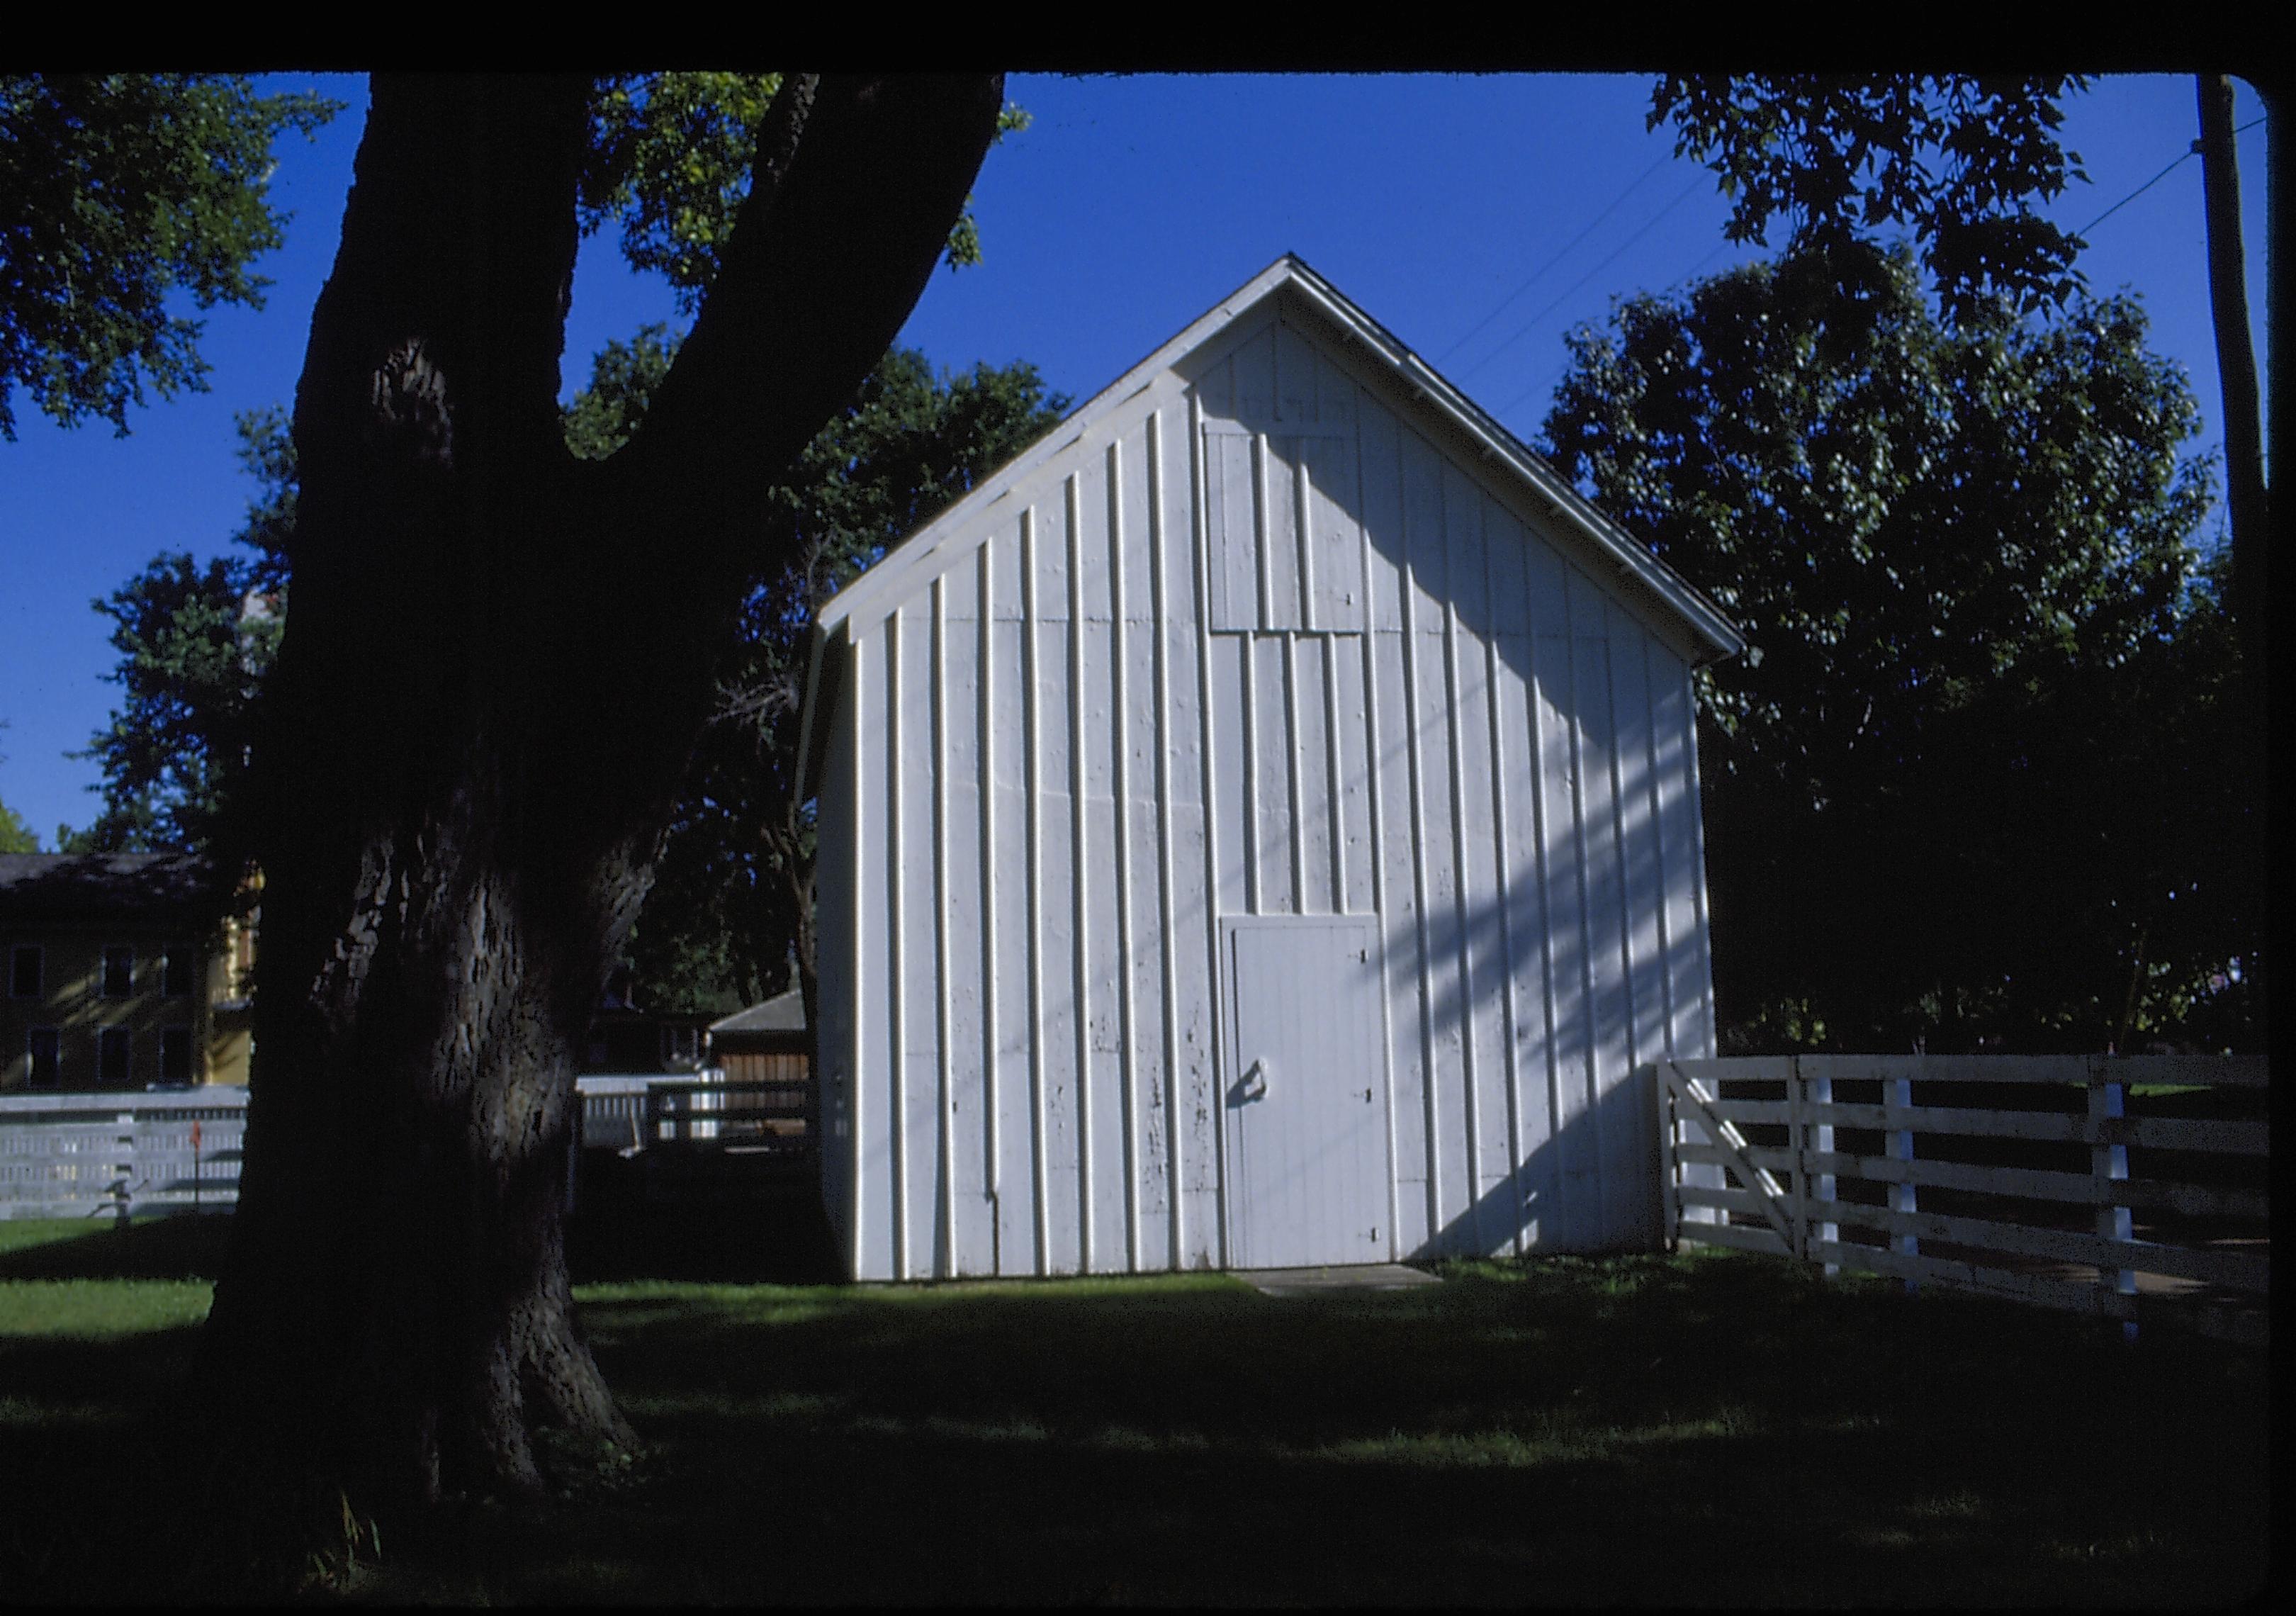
(1309, 1282)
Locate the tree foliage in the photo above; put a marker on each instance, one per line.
(669, 159)
(116, 191)
(15, 835)
(1968, 784)
(194, 643)
(1955, 159)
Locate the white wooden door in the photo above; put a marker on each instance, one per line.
(1306, 1116)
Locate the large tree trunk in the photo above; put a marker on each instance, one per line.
(499, 660)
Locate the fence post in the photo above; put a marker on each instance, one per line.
(1815, 1092)
(124, 1171)
(1669, 1132)
(1798, 1142)
(2108, 1164)
(1898, 1094)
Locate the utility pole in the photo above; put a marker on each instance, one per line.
(2243, 432)
(2247, 495)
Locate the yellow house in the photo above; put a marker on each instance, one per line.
(119, 975)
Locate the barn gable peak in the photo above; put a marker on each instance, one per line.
(1288, 289)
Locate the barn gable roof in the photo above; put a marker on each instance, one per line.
(1604, 545)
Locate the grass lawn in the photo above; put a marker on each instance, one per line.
(1708, 1429)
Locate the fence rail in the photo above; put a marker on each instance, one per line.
(2024, 1164)
(76, 1155)
(72, 1155)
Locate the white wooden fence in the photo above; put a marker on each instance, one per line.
(85, 1154)
(73, 1155)
(702, 1138)
(1753, 1156)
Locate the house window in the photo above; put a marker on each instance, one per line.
(24, 971)
(176, 971)
(119, 972)
(40, 1055)
(176, 1055)
(112, 1071)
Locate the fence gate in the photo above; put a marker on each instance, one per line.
(1700, 1132)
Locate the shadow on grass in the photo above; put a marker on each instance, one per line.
(85, 1469)
(176, 1247)
(1713, 1429)
(1709, 1430)
(779, 1237)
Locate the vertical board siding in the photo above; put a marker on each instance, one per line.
(1504, 1186)
(876, 1048)
(1669, 698)
(1091, 674)
(1569, 1001)
(967, 680)
(1059, 960)
(1519, 749)
(989, 857)
(1035, 1033)
(1209, 1182)
(1255, 646)
(1235, 838)
(918, 988)
(941, 764)
(1395, 778)
(1703, 1027)
(1128, 1051)
(1427, 685)
(1253, 368)
(1353, 761)
(1643, 856)
(1010, 897)
(1276, 777)
(1296, 378)
(1161, 1190)
(1617, 1145)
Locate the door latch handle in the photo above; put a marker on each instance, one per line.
(1254, 1086)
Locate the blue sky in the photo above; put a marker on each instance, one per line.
(1477, 217)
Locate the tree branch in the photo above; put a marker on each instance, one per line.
(858, 182)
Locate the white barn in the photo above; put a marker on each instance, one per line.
(1259, 827)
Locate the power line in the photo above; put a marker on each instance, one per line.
(2190, 152)
(1686, 274)
(1565, 295)
(1702, 263)
(2140, 190)
(1557, 258)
